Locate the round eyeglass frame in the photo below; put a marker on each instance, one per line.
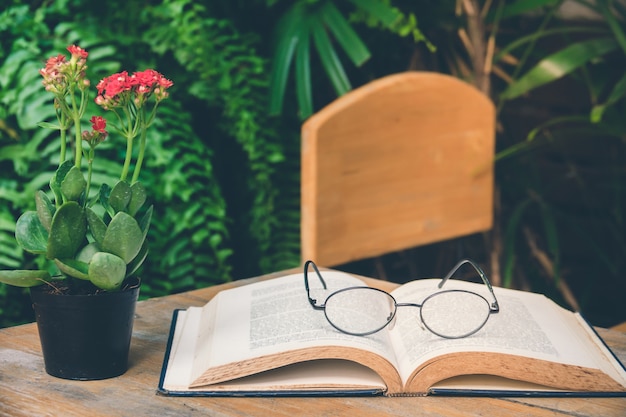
(492, 307)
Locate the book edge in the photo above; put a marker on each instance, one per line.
(168, 350)
(621, 367)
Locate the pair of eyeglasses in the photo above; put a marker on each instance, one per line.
(361, 311)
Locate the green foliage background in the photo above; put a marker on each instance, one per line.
(223, 162)
(213, 151)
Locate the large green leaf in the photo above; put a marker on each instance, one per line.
(67, 231)
(24, 278)
(559, 64)
(120, 196)
(30, 234)
(73, 268)
(123, 237)
(96, 225)
(87, 252)
(138, 197)
(107, 271)
(103, 198)
(144, 223)
(57, 179)
(45, 209)
(74, 184)
(134, 265)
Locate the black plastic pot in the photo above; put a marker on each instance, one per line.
(85, 337)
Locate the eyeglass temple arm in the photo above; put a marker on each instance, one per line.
(494, 305)
(306, 280)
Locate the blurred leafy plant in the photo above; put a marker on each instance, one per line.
(323, 23)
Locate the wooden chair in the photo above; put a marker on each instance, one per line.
(403, 161)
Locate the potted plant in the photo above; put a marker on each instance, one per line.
(93, 240)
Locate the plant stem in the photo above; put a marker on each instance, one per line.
(129, 146)
(63, 133)
(63, 145)
(76, 115)
(89, 171)
(142, 151)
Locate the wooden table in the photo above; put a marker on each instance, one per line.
(26, 390)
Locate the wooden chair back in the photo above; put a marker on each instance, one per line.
(402, 161)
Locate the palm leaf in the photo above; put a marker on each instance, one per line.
(345, 35)
(291, 28)
(332, 65)
(559, 64)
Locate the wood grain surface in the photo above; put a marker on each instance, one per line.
(26, 390)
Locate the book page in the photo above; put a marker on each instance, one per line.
(275, 316)
(306, 376)
(527, 324)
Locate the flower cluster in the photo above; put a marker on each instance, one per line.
(115, 90)
(59, 75)
(98, 131)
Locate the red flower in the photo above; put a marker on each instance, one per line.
(145, 78)
(140, 85)
(98, 124)
(77, 51)
(115, 84)
(164, 82)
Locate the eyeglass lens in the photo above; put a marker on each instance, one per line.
(454, 314)
(360, 311)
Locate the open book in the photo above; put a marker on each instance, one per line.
(266, 339)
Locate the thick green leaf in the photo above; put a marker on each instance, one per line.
(30, 234)
(73, 268)
(120, 196)
(67, 231)
(107, 271)
(330, 61)
(57, 179)
(87, 252)
(96, 225)
(103, 198)
(134, 265)
(123, 237)
(144, 223)
(345, 35)
(24, 278)
(73, 185)
(559, 64)
(137, 198)
(45, 209)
